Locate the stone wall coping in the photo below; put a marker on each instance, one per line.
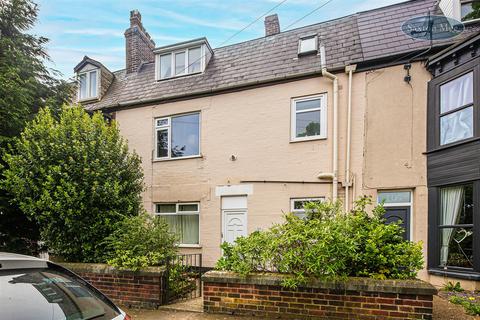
(102, 268)
(415, 287)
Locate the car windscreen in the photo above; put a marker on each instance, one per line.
(51, 294)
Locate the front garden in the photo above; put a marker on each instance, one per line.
(330, 265)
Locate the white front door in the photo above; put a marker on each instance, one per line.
(234, 217)
(234, 225)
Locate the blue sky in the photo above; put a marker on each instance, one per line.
(95, 27)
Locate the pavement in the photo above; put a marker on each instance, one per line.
(442, 310)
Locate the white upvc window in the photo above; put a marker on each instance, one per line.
(309, 118)
(308, 44)
(181, 62)
(177, 136)
(88, 83)
(183, 219)
(297, 206)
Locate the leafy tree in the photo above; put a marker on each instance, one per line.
(76, 178)
(26, 85)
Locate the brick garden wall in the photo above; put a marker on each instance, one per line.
(141, 289)
(355, 298)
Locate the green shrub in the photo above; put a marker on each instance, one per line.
(470, 304)
(451, 287)
(328, 243)
(139, 242)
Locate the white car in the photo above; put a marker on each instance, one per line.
(37, 289)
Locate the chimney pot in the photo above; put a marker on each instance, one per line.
(135, 18)
(272, 25)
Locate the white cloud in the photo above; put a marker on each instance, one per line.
(95, 32)
(219, 24)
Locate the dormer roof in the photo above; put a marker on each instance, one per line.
(87, 60)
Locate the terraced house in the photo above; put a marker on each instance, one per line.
(231, 138)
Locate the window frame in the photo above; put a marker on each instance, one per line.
(87, 83)
(168, 127)
(182, 213)
(434, 243)
(434, 114)
(306, 37)
(308, 199)
(323, 117)
(173, 54)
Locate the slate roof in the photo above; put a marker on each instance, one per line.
(357, 38)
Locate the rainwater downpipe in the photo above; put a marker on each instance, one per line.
(334, 79)
(348, 69)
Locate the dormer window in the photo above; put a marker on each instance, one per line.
(182, 59)
(307, 45)
(88, 85)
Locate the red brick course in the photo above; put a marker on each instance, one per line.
(143, 289)
(330, 302)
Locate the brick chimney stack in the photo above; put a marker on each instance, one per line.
(272, 25)
(138, 43)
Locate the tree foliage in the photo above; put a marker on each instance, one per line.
(26, 85)
(328, 243)
(76, 178)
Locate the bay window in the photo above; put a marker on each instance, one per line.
(456, 226)
(177, 136)
(456, 109)
(183, 220)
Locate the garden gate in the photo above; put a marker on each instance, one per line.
(183, 278)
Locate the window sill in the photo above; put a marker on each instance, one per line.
(307, 139)
(466, 275)
(452, 145)
(190, 246)
(179, 158)
(91, 99)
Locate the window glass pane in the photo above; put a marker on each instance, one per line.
(187, 207)
(301, 215)
(394, 197)
(308, 124)
(50, 294)
(456, 205)
(466, 9)
(194, 61)
(307, 44)
(456, 247)
(162, 122)
(162, 143)
(83, 85)
(166, 208)
(185, 135)
(93, 84)
(165, 66)
(179, 63)
(308, 104)
(456, 126)
(184, 226)
(456, 93)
